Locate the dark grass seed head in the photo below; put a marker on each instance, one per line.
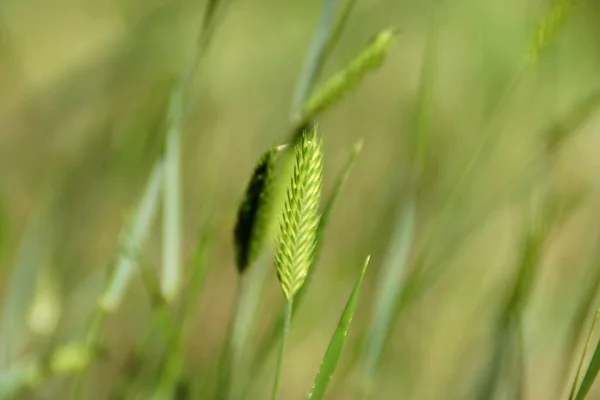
(255, 212)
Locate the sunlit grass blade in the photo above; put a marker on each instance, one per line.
(351, 76)
(334, 350)
(582, 360)
(591, 372)
(269, 340)
(391, 281)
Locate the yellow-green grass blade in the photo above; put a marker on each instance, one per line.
(334, 350)
(590, 374)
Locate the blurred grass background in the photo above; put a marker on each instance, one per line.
(83, 91)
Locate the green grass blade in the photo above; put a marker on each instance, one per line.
(590, 375)
(334, 350)
(316, 57)
(171, 267)
(351, 76)
(390, 285)
(588, 341)
(131, 241)
(34, 250)
(172, 366)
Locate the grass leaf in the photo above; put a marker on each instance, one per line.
(391, 279)
(334, 350)
(590, 374)
(343, 82)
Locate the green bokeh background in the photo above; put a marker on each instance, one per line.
(83, 87)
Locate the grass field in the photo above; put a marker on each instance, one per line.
(459, 146)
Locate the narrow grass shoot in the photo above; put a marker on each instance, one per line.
(346, 80)
(131, 240)
(393, 277)
(391, 281)
(593, 368)
(334, 350)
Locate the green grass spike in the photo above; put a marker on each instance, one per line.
(295, 245)
(351, 76)
(255, 212)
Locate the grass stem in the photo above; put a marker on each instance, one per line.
(286, 329)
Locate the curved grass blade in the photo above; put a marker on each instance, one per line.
(346, 80)
(583, 354)
(334, 351)
(593, 367)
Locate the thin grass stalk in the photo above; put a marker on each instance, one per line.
(586, 347)
(316, 57)
(391, 281)
(336, 344)
(171, 272)
(393, 276)
(175, 116)
(585, 308)
(286, 329)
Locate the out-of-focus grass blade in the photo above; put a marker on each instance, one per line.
(391, 280)
(334, 350)
(34, 250)
(270, 339)
(316, 57)
(171, 268)
(131, 241)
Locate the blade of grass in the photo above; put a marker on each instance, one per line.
(171, 272)
(588, 341)
(590, 374)
(391, 279)
(316, 57)
(34, 250)
(286, 328)
(132, 238)
(334, 350)
(174, 120)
